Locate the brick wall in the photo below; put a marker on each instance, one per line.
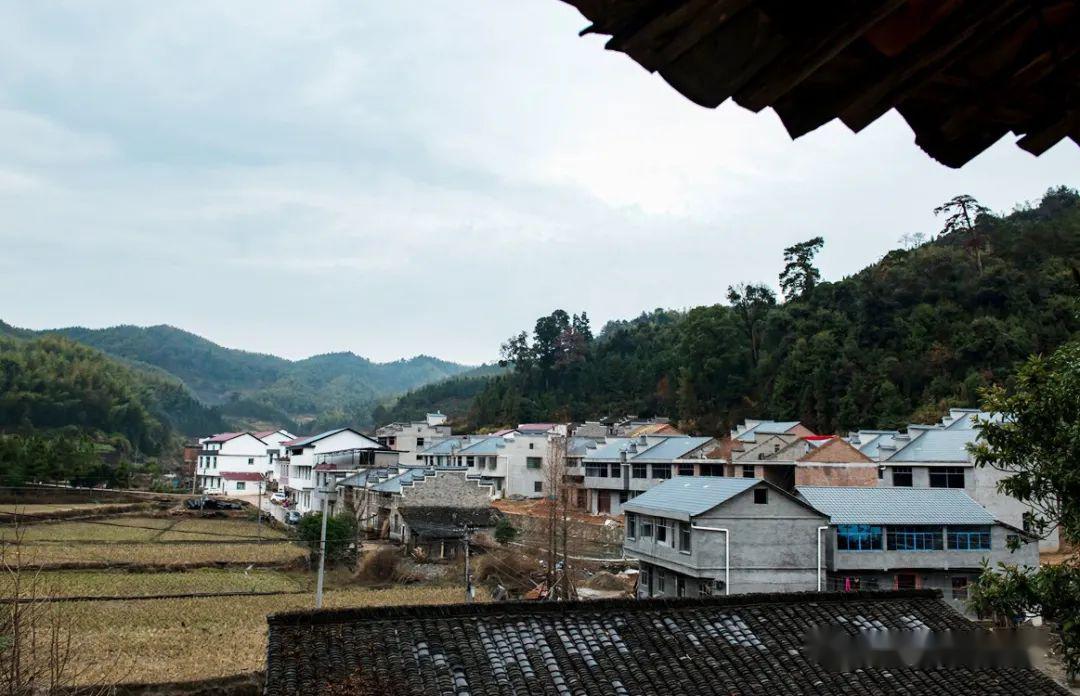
(825, 475)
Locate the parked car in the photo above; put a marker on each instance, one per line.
(292, 517)
(279, 498)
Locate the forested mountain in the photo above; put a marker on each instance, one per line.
(923, 329)
(52, 383)
(253, 387)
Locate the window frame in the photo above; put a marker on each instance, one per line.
(685, 538)
(749, 471)
(915, 537)
(661, 471)
(761, 496)
(903, 471)
(950, 474)
(969, 533)
(631, 526)
(534, 463)
(864, 534)
(639, 470)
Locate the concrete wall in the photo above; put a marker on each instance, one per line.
(773, 546)
(886, 560)
(447, 489)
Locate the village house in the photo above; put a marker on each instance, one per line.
(275, 440)
(232, 464)
(811, 460)
(303, 454)
(615, 470)
(910, 538)
(411, 438)
(742, 644)
(697, 536)
(937, 456)
(415, 506)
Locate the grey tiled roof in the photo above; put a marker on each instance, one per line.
(689, 496)
(407, 477)
(742, 645)
(936, 446)
(895, 505)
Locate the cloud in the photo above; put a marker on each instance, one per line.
(410, 178)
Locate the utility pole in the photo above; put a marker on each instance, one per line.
(258, 513)
(468, 575)
(322, 553)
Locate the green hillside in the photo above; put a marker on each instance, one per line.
(923, 329)
(52, 383)
(254, 388)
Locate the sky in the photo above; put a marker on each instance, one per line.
(402, 178)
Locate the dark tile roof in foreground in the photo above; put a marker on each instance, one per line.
(738, 645)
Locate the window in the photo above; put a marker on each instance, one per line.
(639, 471)
(661, 471)
(533, 462)
(947, 477)
(538, 486)
(631, 525)
(419, 442)
(914, 538)
(646, 527)
(748, 471)
(530, 445)
(711, 469)
(761, 496)
(680, 585)
(968, 538)
(662, 532)
(595, 470)
(684, 537)
(686, 470)
(491, 463)
(881, 472)
(624, 497)
(661, 580)
(901, 476)
(960, 588)
(907, 581)
(240, 485)
(858, 537)
(251, 460)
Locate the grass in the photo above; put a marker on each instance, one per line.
(45, 509)
(114, 529)
(103, 583)
(208, 529)
(104, 555)
(184, 639)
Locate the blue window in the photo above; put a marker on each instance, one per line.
(858, 537)
(914, 538)
(968, 538)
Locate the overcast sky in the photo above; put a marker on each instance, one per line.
(395, 178)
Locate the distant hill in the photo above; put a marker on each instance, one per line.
(255, 388)
(922, 329)
(453, 396)
(51, 383)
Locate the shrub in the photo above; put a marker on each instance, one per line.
(340, 535)
(505, 531)
(379, 567)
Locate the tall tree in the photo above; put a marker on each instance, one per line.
(752, 304)
(962, 215)
(799, 275)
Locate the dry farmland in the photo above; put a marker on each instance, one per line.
(174, 639)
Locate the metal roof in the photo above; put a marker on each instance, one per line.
(871, 441)
(895, 505)
(609, 449)
(671, 448)
(489, 445)
(409, 476)
(578, 446)
(936, 446)
(765, 428)
(444, 446)
(311, 439)
(365, 476)
(689, 496)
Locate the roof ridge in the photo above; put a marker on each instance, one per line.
(398, 613)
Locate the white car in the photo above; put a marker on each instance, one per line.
(278, 498)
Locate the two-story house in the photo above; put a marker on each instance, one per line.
(514, 462)
(936, 456)
(303, 456)
(232, 464)
(909, 538)
(411, 438)
(722, 535)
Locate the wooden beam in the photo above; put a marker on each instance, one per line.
(962, 33)
(707, 21)
(1039, 141)
(803, 60)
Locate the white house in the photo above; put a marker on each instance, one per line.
(232, 463)
(411, 438)
(305, 453)
(275, 440)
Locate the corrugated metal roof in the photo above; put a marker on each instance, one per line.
(895, 505)
(870, 442)
(775, 427)
(444, 446)
(689, 496)
(936, 446)
(489, 445)
(361, 478)
(671, 448)
(609, 449)
(578, 446)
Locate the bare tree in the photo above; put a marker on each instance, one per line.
(559, 520)
(37, 654)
